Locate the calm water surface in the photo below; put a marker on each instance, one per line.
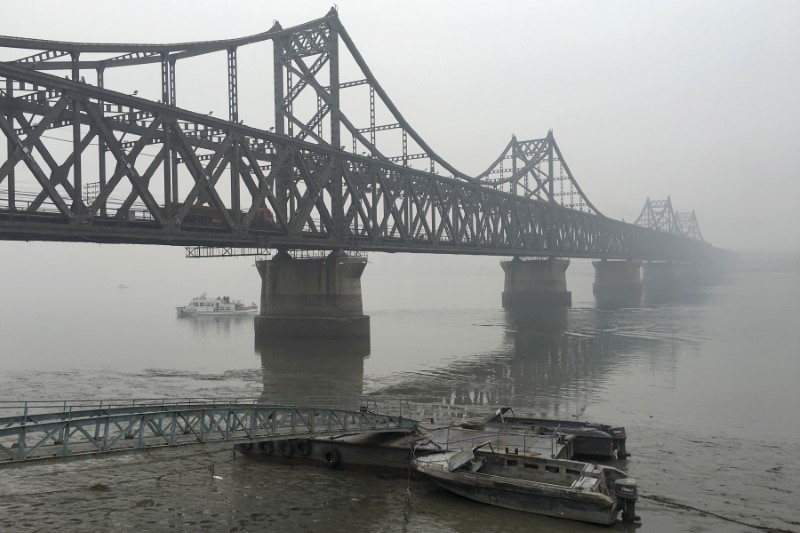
(705, 383)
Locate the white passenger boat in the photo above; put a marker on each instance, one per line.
(553, 487)
(220, 306)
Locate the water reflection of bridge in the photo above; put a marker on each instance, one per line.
(553, 362)
(295, 369)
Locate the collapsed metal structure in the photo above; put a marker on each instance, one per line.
(325, 176)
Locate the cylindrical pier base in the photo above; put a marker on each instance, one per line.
(535, 282)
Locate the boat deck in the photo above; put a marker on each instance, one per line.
(397, 450)
(518, 442)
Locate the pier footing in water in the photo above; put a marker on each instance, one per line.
(617, 281)
(535, 282)
(312, 297)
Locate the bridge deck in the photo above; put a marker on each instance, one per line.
(38, 433)
(141, 171)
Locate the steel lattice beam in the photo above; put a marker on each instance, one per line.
(658, 215)
(158, 176)
(107, 429)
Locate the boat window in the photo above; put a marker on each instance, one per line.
(573, 472)
(529, 465)
(552, 469)
(511, 462)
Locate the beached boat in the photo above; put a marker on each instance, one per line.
(590, 439)
(553, 487)
(220, 306)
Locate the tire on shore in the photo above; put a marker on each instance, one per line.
(332, 457)
(266, 447)
(285, 448)
(302, 447)
(244, 447)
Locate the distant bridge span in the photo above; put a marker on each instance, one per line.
(87, 163)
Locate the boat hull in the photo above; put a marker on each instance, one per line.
(219, 306)
(184, 313)
(590, 439)
(543, 500)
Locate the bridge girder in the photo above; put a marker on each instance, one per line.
(158, 171)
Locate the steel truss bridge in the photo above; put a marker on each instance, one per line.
(44, 430)
(339, 168)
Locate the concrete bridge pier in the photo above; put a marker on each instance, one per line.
(617, 281)
(661, 277)
(312, 297)
(535, 282)
(692, 274)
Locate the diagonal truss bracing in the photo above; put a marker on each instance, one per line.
(113, 428)
(658, 215)
(537, 169)
(687, 222)
(87, 163)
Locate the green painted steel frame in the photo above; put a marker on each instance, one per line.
(73, 432)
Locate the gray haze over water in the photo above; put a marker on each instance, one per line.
(697, 100)
(705, 383)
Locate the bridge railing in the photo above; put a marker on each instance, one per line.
(16, 411)
(45, 429)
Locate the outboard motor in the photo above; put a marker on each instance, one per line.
(625, 490)
(618, 434)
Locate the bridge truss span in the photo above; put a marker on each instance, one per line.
(536, 168)
(658, 215)
(86, 163)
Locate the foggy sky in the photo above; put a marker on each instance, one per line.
(697, 100)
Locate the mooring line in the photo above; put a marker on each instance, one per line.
(107, 486)
(408, 505)
(671, 503)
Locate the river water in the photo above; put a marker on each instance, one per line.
(705, 382)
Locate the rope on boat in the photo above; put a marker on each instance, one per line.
(671, 503)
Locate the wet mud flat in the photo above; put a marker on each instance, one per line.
(179, 490)
(706, 389)
(214, 489)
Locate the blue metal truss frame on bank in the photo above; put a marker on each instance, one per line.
(39, 433)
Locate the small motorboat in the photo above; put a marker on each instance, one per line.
(589, 439)
(221, 306)
(552, 487)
